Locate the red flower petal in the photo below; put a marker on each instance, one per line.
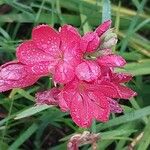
(88, 71)
(46, 38)
(63, 101)
(16, 75)
(120, 91)
(108, 90)
(49, 97)
(69, 37)
(103, 27)
(29, 54)
(89, 42)
(125, 92)
(121, 77)
(72, 55)
(41, 68)
(12, 71)
(64, 73)
(111, 61)
(81, 110)
(101, 109)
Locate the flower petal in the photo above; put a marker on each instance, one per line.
(120, 91)
(72, 55)
(101, 108)
(121, 77)
(49, 97)
(88, 71)
(63, 101)
(16, 75)
(64, 73)
(29, 54)
(80, 111)
(46, 38)
(111, 61)
(125, 92)
(103, 27)
(12, 71)
(90, 42)
(41, 69)
(69, 37)
(108, 90)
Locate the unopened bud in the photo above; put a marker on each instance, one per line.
(108, 39)
(108, 44)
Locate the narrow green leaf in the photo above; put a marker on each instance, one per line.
(133, 23)
(31, 111)
(131, 116)
(140, 68)
(115, 133)
(106, 10)
(84, 23)
(23, 137)
(143, 23)
(25, 94)
(145, 141)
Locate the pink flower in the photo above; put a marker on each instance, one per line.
(83, 67)
(88, 101)
(49, 52)
(85, 103)
(59, 50)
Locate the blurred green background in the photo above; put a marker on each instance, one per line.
(25, 126)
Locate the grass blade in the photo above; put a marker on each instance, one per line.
(106, 10)
(145, 141)
(23, 137)
(31, 111)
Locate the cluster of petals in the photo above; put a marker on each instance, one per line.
(88, 87)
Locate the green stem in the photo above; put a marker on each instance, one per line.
(93, 128)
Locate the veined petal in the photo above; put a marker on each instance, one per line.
(64, 101)
(124, 92)
(120, 91)
(69, 37)
(121, 77)
(64, 73)
(41, 68)
(16, 75)
(103, 27)
(88, 71)
(28, 53)
(47, 39)
(108, 90)
(111, 61)
(89, 42)
(81, 110)
(12, 71)
(101, 108)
